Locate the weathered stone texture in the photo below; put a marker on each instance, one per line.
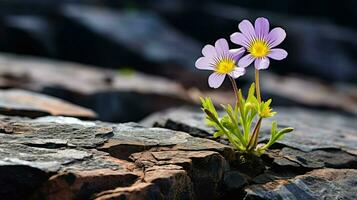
(67, 158)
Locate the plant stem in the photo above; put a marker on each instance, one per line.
(257, 85)
(235, 89)
(253, 142)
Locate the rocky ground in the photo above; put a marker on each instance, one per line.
(61, 130)
(129, 95)
(51, 148)
(55, 157)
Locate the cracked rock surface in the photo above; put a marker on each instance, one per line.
(316, 161)
(56, 157)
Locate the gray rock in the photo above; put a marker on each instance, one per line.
(130, 138)
(288, 157)
(130, 30)
(67, 158)
(313, 129)
(318, 184)
(113, 95)
(321, 140)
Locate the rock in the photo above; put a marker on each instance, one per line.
(28, 34)
(113, 95)
(166, 50)
(288, 157)
(73, 159)
(318, 184)
(290, 90)
(316, 161)
(311, 127)
(309, 92)
(205, 168)
(184, 119)
(317, 130)
(60, 173)
(67, 158)
(30, 104)
(131, 138)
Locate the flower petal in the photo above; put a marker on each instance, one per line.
(209, 51)
(247, 29)
(277, 54)
(236, 54)
(222, 47)
(240, 39)
(204, 63)
(215, 80)
(245, 61)
(237, 72)
(276, 36)
(261, 27)
(261, 63)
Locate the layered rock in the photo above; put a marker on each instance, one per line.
(63, 158)
(67, 158)
(30, 104)
(315, 158)
(118, 96)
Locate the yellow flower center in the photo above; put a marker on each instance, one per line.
(225, 66)
(259, 48)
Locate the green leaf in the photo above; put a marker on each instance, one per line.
(227, 123)
(282, 132)
(251, 91)
(218, 134)
(274, 127)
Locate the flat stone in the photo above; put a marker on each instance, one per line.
(50, 134)
(311, 127)
(315, 159)
(130, 138)
(30, 104)
(309, 92)
(114, 95)
(317, 184)
(61, 170)
(292, 90)
(62, 152)
(67, 158)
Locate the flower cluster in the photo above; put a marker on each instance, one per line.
(257, 44)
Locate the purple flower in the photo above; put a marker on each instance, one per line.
(222, 61)
(259, 43)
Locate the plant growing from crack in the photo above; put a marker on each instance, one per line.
(241, 123)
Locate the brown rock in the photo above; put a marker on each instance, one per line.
(113, 95)
(30, 104)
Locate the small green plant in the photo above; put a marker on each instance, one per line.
(237, 122)
(241, 123)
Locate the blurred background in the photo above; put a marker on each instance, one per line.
(127, 59)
